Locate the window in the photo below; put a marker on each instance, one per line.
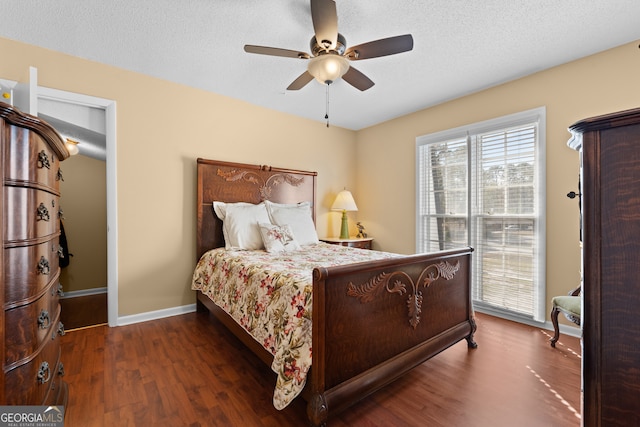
(483, 186)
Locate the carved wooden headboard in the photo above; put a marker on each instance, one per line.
(238, 182)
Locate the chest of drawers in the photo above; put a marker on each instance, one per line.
(30, 328)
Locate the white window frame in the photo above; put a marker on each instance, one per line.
(538, 116)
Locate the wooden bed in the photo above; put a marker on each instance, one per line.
(372, 322)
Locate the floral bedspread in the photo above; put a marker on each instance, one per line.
(269, 295)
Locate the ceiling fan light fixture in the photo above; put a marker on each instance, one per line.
(328, 68)
(329, 58)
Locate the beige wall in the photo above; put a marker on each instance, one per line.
(84, 202)
(162, 128)
(595, 85)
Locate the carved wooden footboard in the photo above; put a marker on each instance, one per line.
(373, 322)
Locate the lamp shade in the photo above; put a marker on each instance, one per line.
(344, 202)
(328, 68)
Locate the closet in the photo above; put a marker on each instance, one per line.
(609, 147)
(30, 328)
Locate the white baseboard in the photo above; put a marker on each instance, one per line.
(154, 315)
(84, 292)
(190, 308)
(134, 318)
(572, 331)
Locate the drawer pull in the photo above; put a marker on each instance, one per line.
(60, 331)
(59, 175)
(60, 251)
(44, 373)
(57, 290)
(61, 369)
(43, 160)
(43, 319)
(43, 266)
(42, 213)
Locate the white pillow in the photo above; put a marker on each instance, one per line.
(298, 217)
(240, 224)
(278, 238)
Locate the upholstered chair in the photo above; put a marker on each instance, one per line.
(569, 305)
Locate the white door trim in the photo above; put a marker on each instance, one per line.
(109, 106)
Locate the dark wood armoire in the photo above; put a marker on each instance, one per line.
(609, 146)
(30, 328)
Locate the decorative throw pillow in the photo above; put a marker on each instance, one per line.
(278, 238)
(240, 224)
(298, 217)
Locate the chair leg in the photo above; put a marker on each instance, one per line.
(556, 328)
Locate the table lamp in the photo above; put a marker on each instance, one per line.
(344, 202)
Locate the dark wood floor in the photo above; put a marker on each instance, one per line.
(80, 312)
(189, 371)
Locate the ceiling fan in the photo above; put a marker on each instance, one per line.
(329, 58)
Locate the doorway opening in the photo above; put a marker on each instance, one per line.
(90, 121)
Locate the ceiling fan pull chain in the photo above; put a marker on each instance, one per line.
(326, 114)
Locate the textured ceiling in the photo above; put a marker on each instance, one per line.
(460, 46)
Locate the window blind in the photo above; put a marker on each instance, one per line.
(481, 186)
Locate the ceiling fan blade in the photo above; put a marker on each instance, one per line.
(274, 51)
(325, 22)
(301, 81)
(358, 80)
(382, 47)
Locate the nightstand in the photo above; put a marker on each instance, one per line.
(354, 242)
